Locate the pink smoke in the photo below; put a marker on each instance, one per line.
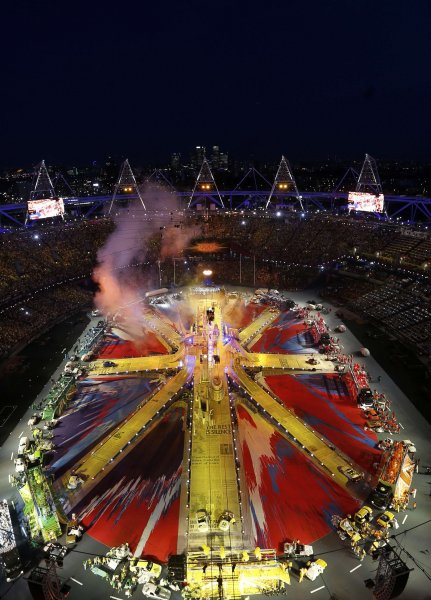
(122, 288)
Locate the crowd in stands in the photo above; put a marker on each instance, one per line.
(41, 269)
(288, 251)
(346, 287)
(313, 239)
(400, 306)
(385, 279)
(231, 269)
(24, 321)
(409, 251)
(35, 258)
(396, 299)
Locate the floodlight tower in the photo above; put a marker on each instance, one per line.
(284, 182)
(369, 180)
(126, 184)
(42, 185)
(205, 184)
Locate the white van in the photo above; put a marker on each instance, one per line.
(19, 465)
(156, 592)
(22, 446)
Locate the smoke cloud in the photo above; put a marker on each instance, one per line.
(235, 312)
(122, 287)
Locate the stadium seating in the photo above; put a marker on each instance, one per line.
(40, 269)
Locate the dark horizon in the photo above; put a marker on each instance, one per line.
(308, 81)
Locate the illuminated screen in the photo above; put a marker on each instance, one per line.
(42, 209)
(365, 202)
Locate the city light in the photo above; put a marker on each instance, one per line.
(207, 272)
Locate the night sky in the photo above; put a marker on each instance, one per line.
(310, 79)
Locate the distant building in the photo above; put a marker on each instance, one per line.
(218, 160)
(215, 157)
(176, 161)
(197, 157)
(224, 160)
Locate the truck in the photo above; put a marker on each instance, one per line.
(156, 592)
(347, 530)
(397, 474)
(23, 446)
(382, 495)
(315, 568)
(156, 293)
(295, 548)
(365, 398)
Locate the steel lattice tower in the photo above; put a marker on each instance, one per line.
(205, 184)
(42, 185)
(284, 181)
(126, 184)
(369, 180)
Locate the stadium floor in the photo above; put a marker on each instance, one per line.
(286, 509)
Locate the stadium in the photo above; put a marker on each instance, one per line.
(215, 394)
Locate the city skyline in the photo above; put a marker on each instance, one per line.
(181, 173)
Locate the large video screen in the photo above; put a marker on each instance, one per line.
(42, 209)
(366, 202)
